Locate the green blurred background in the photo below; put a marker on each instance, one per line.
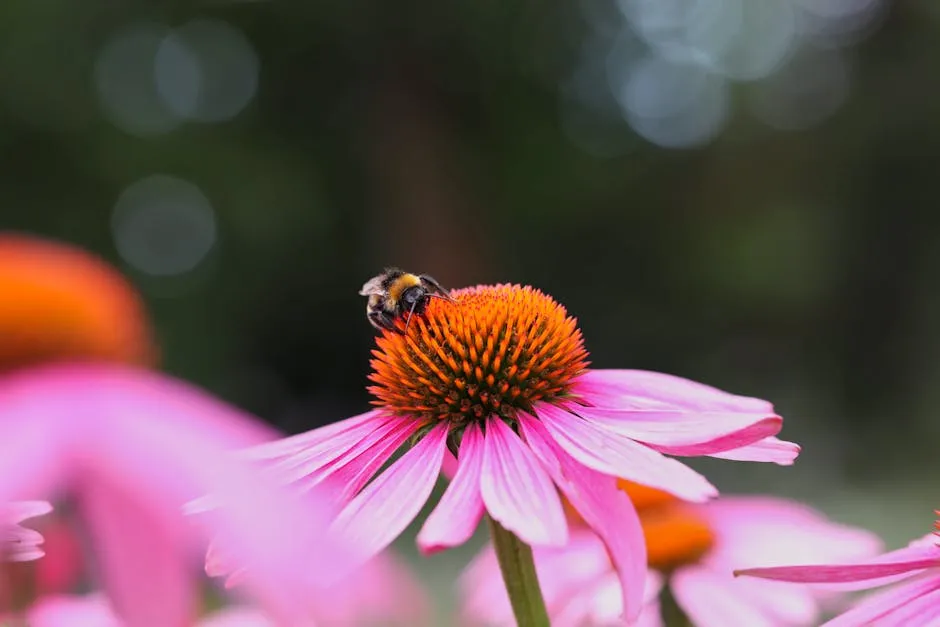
(738, 191)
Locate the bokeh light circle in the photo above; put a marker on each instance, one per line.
(123, 79)
(206, 70)
(163, 226)
(675, 105)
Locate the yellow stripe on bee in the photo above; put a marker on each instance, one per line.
(400, 284)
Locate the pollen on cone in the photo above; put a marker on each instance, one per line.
(60, 302)
(492, 351)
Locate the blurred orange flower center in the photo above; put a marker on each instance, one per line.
(495, 350)
(676, 533)
(58, 302)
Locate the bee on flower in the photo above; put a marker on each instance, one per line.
(498, 377)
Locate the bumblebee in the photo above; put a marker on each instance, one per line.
(395, 293)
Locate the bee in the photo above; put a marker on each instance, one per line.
(395, 292)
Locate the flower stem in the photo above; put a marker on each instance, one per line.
(522, 582)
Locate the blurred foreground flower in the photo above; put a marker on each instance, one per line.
(95, 611)
(384, 594)
(914, 602)
(500, 377)
(80, 419)
(692, 548)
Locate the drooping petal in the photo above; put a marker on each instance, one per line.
(335, 432)
(607, 510)
(613, 454)
(75, 427)
(343, 478)
(458, 512)
(770, 449)
(19, 543)
(910, 560)
(707, 601)
(346, 444)
(686, 432)
(516, 490)
(18, 511)
(924, 611)
(378, 514)
(639, 389)
(144, 566)
(878, 608)
(771, 531)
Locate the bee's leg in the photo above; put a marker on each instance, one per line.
(382, 320)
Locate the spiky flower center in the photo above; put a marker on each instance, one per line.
(495, 350)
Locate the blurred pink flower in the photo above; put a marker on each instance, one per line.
(18, 543)
(384, 592)
(914, 601)
(79, 418)
(95, 611)
(383, 589)
(581, 587)
(501, 375)
(132, 447)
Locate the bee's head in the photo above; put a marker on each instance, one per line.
(414, 298)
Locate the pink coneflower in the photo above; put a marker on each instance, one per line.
(80, 418)
(913, 602)
(19, 543)
(500, 378)
(691, 548)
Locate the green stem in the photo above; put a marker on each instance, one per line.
(673, 616)
(522, 582)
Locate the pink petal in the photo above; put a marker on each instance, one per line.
(18, 543)
(343, 431)
(769, 449)
(458, 512)
(641, 389)
(73, 611)
(708, 602)
(516, 490)
(924, 611)
(139, 435)
(907, 560)
(348, 474)
(613, 454)
(482, 591)
(686, 432)
(386, 506)
(18, 511)
(606, 510)
(881, 607)
(768, 531)
(381, 592)
(142, 557)
(344, 445)
(450, 465)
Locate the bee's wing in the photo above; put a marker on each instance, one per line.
(435, 287)
(373, 286)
